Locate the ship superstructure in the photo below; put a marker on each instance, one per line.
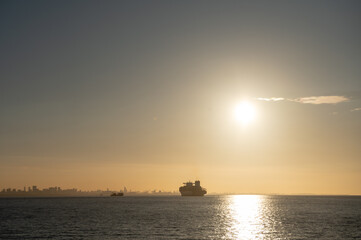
(192, 189)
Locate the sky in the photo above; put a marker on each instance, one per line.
(143, 94)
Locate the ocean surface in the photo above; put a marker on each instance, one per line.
(175, 217)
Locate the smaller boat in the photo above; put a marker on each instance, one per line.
(120, 194)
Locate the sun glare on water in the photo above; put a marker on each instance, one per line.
(246, 217)
(245, 112)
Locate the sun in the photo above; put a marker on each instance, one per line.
(245, 112)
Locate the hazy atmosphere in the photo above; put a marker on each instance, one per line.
(246, 96)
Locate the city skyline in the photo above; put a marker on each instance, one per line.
(34, 191)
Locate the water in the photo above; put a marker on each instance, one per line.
(210, 217)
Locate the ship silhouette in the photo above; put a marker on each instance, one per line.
(190, 189)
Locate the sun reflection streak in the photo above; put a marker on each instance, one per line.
(245, 212)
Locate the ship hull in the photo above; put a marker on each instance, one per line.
(192, 194)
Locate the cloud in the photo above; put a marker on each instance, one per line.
(356, 109)
(321, 99)
(273, 99)
(310, 100)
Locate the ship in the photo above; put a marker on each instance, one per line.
(190, 189)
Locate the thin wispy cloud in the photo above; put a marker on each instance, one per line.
(321, 99)
(310, 100)
(273, 99)
(356, 109)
